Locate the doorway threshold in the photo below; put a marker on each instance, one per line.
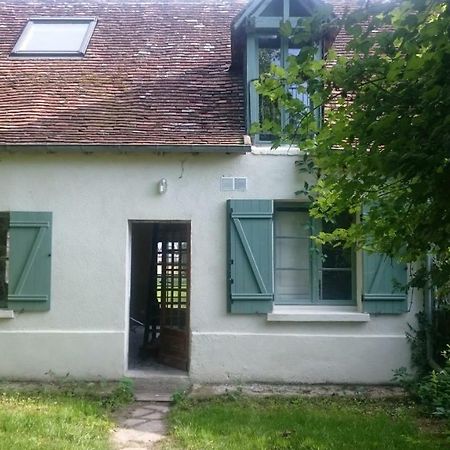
(153, 372)
(158, 385)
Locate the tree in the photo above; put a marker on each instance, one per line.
(385, 140)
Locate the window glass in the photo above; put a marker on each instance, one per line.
(336, 268)
(274, 9)
(304, 272)
(297, 9)
(269, 53)
(292, 286)
(54, 36)
(292, 257)
(336, 285)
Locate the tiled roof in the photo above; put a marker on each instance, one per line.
(155, 72)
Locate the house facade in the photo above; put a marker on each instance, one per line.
(141, 225)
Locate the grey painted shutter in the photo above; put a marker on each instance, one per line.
(250, 256)
(382, 277)
(29, 261)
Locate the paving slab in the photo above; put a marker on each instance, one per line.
(140, 426)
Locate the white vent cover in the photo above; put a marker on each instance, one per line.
(240, 184)
(233, 184)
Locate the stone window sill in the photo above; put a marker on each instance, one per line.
(298, 313)
(6, 314)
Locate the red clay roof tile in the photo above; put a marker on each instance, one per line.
(155, 72)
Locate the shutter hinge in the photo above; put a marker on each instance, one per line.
(231, 261)
(231, 280)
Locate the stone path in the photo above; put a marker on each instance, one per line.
(140, 426)
(143, 423)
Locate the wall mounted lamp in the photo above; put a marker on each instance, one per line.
(162, 186)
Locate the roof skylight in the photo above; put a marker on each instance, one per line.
(55, 36)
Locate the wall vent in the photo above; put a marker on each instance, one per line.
(233, 184)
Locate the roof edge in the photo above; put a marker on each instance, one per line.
(123, 148)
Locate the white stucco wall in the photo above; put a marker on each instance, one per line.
(93, 198)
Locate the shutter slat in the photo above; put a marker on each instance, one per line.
(250, 256)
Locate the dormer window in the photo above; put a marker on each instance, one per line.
(55, 36)
(259, 28)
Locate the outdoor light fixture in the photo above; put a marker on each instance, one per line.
(162, 186)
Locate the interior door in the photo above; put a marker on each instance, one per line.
(173, 280)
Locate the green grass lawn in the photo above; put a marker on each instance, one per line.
(69, 418)
(307, 424)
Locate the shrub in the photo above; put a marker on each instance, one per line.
(433, 390)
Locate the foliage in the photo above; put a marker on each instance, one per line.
(434, 390)
(386, 136)
(431, 388)
(299, 423)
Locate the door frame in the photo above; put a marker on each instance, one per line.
(130, 223)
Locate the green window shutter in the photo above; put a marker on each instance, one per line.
(4, 228)
(29, 261)
(382, 291)
(250, 256)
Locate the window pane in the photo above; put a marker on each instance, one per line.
(53, 36)
(292, 257)
(269, 53)
(336, 257)
(292, 286)
(292, 253)
(336, 285)
(343, 221)
(275, 9)
(292, 224)
(296, 9)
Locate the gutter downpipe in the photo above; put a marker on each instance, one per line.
(429, 307)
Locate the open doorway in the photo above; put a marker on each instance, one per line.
(159, 297)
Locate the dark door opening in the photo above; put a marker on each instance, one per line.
(159, 297)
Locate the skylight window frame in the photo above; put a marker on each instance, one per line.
(92, 22)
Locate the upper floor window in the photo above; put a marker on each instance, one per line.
(274, 49)
(265, 45)
(55, 36)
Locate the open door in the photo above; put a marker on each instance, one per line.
(159, 300)
(173, 292)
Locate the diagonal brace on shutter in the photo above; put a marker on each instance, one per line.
(245, 244)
